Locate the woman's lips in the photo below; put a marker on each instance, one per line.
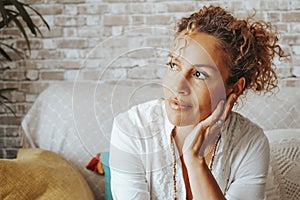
(179, 105)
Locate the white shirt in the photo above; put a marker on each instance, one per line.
(141, 159)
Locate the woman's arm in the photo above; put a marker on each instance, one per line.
(128, 186)
(202, 183)
(128, 179)
(249, 167)
(250, 172)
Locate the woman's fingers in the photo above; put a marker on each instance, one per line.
(195, 139)
(205, 134)
(216, 114)
(219, 116)
(199, 137)
(213, 130)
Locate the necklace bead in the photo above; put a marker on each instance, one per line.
(174, 164)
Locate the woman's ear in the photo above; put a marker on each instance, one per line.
(239, 86)
(237, 89)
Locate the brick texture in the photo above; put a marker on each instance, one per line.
(113, 39)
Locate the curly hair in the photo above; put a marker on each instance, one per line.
(249, 47)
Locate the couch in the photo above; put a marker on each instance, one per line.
(74, 120)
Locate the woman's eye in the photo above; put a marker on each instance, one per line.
(173, 66)
(200, 75)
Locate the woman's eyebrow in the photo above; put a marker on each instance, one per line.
(175, 56)
(205, 65)
(171, 55)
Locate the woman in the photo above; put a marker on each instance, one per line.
(191, 145)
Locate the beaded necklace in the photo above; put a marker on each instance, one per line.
(174, 158)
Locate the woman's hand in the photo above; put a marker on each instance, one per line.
(205, 134)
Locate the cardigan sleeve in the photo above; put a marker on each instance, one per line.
(128, 179)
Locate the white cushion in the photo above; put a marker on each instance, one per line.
(284, 172)
(75, 120)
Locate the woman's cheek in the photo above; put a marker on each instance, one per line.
(217, 93)
(168, 82)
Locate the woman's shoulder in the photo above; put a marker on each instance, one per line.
(245, 139)
(140, 123)
(246, 131)
(245, 124)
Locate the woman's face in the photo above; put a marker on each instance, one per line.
(194, 82)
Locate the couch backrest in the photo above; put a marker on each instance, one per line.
(75, 119)
(278, 111)
(91, 107)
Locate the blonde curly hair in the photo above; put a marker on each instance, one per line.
(249, 47)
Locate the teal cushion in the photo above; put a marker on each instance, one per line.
(105, 162)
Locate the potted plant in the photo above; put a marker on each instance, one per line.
(14, 12)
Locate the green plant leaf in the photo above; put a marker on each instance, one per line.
(4, 54)
(3, 104)
(19, 53)
(10, 47)
(4, 100)
(4, 97)
(36, 12)
(4, 23)
(25, 16)
(9, 15)
(8, 12)
(21, 28)
(7, 2)
(3, 13)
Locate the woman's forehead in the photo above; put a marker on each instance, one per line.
(199, 49)
(194, 50)
(202, 41)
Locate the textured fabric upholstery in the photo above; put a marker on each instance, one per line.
(40, 174)
(74, 120)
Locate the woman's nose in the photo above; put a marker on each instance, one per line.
(181, 85)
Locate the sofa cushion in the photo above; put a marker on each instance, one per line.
(74, 120)
(284, 172)
(40, 174)
(105, 162)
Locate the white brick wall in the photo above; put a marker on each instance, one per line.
(84, 36)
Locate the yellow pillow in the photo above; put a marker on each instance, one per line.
(41, 174)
